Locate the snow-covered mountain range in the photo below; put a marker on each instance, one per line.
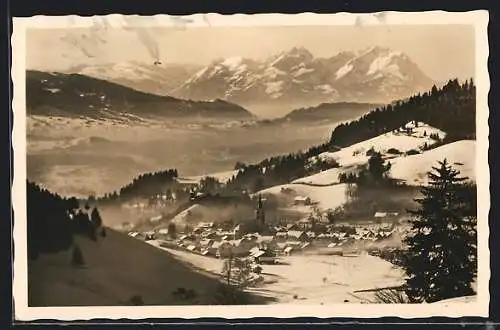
(282, 82)
(296, 78)
(287, 80)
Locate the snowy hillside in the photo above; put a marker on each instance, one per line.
(182, 217)
(324, 197)
(325, 191)
(413, 169)
(402, 141)
(410, 168)
(298, 78)
(55, 282)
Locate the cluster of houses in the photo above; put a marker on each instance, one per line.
(218, 243)
(209, 239)
(266, 243)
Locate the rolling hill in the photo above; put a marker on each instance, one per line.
(77, 95)
(413, 169)
(333, 112)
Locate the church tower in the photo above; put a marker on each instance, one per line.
(260, 215)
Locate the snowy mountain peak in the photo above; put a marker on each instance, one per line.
(233, 62)
(292, 58)
(295, 78)
(382, 64)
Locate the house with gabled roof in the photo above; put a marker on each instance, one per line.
(297, 235)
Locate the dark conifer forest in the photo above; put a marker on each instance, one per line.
(451, 109)
(53, 220)
(145, 185)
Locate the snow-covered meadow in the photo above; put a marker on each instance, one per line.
(312, 279)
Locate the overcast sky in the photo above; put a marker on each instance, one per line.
(441, 51)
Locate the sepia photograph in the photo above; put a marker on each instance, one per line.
(296, 165)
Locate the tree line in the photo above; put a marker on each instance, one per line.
(52, 221)
(145, 185)
(276, 170)
(451, 109)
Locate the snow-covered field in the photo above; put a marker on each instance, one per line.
(313, 279)
(317, 279)
(356, 153)
(413, 169)
(330, 176)
(324, 197)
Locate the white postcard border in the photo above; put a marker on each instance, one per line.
(20, 287)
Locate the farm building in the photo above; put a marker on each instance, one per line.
(385, 215)
(297, 235)
(302, 200)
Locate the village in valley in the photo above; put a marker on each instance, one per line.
(278, 252)
(309, 221)
(270, 242)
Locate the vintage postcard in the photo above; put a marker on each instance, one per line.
(242, 166)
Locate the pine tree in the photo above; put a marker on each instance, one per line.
(441, 261)
(96, 218)
(377, 167)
